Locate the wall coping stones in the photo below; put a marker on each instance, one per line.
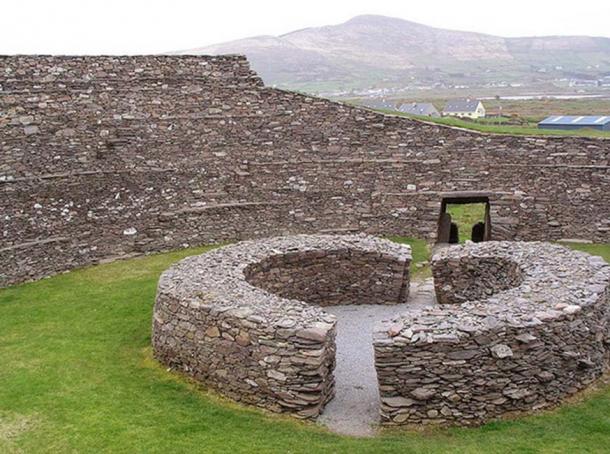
(217, 278)
(553, 278)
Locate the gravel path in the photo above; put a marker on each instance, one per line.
(355, 407)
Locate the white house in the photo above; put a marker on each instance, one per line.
(468, 108)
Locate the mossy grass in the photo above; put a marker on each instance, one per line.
(466, 216)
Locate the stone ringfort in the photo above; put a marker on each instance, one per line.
(107, 157)
(104, 157)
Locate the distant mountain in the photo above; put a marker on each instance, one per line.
(383, 51)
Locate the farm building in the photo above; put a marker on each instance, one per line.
(424, 109)
(569, 122)
(469, 108)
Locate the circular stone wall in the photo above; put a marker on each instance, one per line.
(236, 318)
(527, 325)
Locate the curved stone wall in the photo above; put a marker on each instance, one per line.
(263, 347)
(522, 348)
(466, 278)
(104, 157)
(327, 277)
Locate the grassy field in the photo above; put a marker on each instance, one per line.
(537, 109)
(420, 253)
(520, 117)
(531, 110)
(77, 375)
(489, 126)
(465, 216)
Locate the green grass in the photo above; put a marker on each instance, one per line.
(531, 110)
(602, 250)
(420, 252)
(489, 127)
(465, 216)
(76, 375)
(537, 109)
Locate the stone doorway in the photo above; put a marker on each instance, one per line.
(448, 227)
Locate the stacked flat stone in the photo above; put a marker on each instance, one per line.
(112, 156)
(263, 346)
(523, 326)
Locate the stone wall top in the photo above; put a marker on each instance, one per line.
(217, 279)
(553, 282)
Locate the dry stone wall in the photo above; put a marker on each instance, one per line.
(329, 277)
(466, 278)
(536, 337)
(212, 320)
(104, 157)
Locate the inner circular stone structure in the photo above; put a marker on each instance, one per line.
(520, 326)
(247, 319)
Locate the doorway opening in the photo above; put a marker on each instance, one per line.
(464, 218)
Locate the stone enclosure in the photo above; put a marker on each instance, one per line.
(519, 326)
(246, 320)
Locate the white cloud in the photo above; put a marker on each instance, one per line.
(154, 26)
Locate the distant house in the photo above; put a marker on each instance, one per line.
(570, 122)
(584, 83)
(469, 108)
(424, 109)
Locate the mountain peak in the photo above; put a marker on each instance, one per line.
(374, 50)
(376, 19)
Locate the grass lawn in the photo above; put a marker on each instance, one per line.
(76, 375)
(603, 250)
(489, 127)
(420, 252)
(465, 216)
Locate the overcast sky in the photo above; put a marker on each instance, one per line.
(154, 26)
